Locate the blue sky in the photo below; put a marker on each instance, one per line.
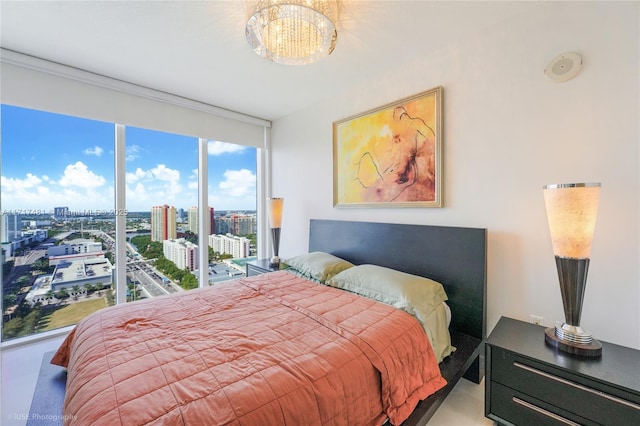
(51, 160)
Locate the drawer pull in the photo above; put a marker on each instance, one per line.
(544, 412)
(577, 386)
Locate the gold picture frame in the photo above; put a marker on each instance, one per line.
(390, 156)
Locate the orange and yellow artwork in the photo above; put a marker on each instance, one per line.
(390, 156)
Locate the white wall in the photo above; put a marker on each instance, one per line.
(507, 132)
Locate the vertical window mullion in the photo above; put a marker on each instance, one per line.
(263, 191)
(120, 216)
(203, 213)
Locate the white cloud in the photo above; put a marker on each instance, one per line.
(79, 188)
(79, 175)
(193, 180)
(156, 186)
(132, 152)
(42, 194)
(219, 148)
(139, 174)
(166, 174)
(137, 196)
(238, 183)
(15, 185)
(96, 150)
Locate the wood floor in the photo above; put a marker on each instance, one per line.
(20, 365)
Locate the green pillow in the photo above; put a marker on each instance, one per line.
(418, 296)
(318, 265)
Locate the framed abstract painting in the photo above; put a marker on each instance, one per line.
(390, 156)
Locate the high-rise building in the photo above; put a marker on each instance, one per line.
(181, 252)
(238, 247)
(11, 229)
(60, 212)
(236, 224)
(163, 223)
(212, 221)
(244, 225)
(193, 220)
(222, 226)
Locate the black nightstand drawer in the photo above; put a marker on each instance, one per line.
(260, 266)
(562, 389)
(252, 271)
(520, 409)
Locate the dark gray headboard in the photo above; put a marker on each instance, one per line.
(455, 257)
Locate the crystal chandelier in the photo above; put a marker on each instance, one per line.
(292, 32)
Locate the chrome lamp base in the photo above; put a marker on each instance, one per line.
(573, 340)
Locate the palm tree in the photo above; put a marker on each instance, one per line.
(89, 288)
(62, 294)
(74, 291)
(49, 295)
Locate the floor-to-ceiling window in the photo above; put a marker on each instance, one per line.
(161, 188)
(57, 201)
(59, 237)
(232, 208)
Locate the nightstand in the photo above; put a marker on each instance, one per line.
(528, 382)
(259, 266)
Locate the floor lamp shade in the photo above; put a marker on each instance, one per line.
(571, 212)
(274, 209)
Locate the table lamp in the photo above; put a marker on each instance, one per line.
(571, 212)
(274, 207)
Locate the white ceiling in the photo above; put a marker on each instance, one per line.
(197, 49)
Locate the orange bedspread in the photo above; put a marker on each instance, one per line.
(273, 349)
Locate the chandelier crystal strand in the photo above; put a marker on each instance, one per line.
(292, 32)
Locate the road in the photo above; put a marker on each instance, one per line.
(148, 280)
(140, 272)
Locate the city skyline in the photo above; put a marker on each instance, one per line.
(52, 160)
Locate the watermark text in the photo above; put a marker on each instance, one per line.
(68, 213)
(41, 417)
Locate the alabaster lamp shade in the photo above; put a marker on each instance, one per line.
(571, 212)
(274, 206)
(274, 210)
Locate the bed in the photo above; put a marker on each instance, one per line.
(281, 348)
(453, 256)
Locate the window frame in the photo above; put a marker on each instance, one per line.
(263, 185)
(36, 83)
